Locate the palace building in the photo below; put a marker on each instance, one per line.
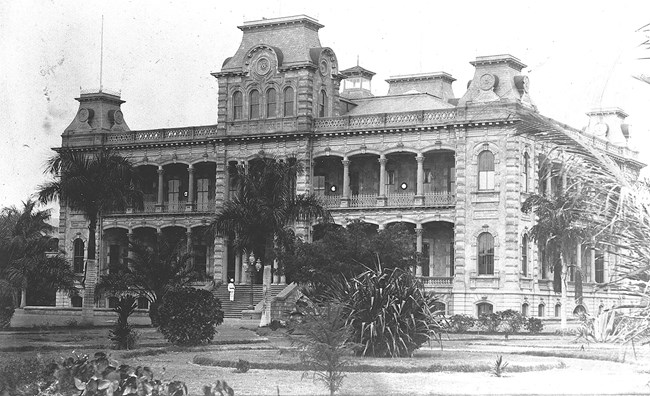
(450, 166)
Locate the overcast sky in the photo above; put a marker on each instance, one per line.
(160, 54)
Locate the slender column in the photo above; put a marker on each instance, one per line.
(579, 258)
(549, 181)
(161, 172)
(129, 254)
(188, 244)
(381, 200)
(419, 191)
(606, 265)
(189, 205)
(418, 247)
(592, 260)
(238, 268)
(345, 200)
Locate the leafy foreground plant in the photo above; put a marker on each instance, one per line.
(499, 366)
(243, 366)
(325, 344)
(190, 316)
(387, 312)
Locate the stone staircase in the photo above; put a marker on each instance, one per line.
(242, 298)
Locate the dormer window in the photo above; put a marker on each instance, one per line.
(322, 104)
(254, 104)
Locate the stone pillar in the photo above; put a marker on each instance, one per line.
(381, 200)
(159, 206)
(345, 200)
(419, 188)
(189, 205)
(418, 247)
(131, 240)
(265, 320)
(238, 269)
(579, 260)
(276, 275)
(188, 244)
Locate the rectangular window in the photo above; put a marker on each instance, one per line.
(319, 185)
(173, 190)
(390, 177)
(600, 268)
(428, 176)
(113, 256)
(486, 180)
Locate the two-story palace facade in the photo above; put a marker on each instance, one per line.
(451, 167)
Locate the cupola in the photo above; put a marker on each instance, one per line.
(357, 83)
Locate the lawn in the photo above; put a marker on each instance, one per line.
(543, 364)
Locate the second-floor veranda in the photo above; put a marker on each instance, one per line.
(396, 179)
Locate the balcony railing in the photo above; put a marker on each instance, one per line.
(169, 207)
(437, 281)
(439, 199)
(384, 120)
(330, 201)
(363, 200)
(400, 199)
(162, 135)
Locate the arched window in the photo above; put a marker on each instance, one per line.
(485, 254)
(143, 303)
(524, 255)
(78, 260)
(540, 310)
(600, 267)
(288, 102)
(237, 105)
(558, 309)
(271, 103)
(486, 170)
(526, 172)
(484, 308)
(322, 104)
(254, 104)
(76, 301)
(524, 309)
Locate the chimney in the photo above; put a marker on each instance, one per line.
(608, 123)
(437, 84)
(497, 78)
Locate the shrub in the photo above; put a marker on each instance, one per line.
(510, 321)
(242, 366)
(189, 316)
(325, 343)
(489, 322)
(534, 325)
(460, 323)
(122, 334)
(387, 312)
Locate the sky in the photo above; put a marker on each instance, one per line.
(159, 55)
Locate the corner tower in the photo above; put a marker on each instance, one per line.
(279, 79)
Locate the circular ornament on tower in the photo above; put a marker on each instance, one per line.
(83, 115)
(487, 82)
(601, 129)
(324, 67)
(118, 117)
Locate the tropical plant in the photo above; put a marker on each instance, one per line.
(150, 272)
(324, 343)
(123, 335)
(499, 366)
(190, 316)
(24, 264)
(534, 325)
(262, 213)
(349, 251)
(388, 313)
(94, 184)
(460, 323)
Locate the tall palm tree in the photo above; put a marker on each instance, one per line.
(24, 241)
(93, 184)
(261, 215)
(150, 272)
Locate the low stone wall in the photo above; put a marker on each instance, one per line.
(68, 316)
(285, 302)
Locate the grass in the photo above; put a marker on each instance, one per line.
(474, 367)
(574, 355)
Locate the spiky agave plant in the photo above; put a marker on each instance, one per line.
(499, 366)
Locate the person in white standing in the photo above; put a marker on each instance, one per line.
(231, 289)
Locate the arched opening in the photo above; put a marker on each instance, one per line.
(254, 104)
(439, 177)
(116, 247)
(237, 105)
(400, 179)
(204, 186)
(78, 257)
(76, 301)
(328, 180)
(579, 310)
(202, 244)
(437, 255)
(540, 310)
(486, 170)
(364, 180)
(148, 183)
(524, 255)
(485, 254)
(271, 103)
(524, 309)
(322, 104)
(288, 102)
(175, 187)
(558, 310)
(484, 308)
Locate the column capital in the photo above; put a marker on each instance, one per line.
(160, 169)
(190, 168)
(419, 157)
(345, 161)
(419, 231)
(382, 159)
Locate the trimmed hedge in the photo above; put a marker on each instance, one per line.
(189, 316)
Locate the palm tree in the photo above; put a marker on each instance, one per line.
(24, 241)
(260, 217)
(150, 272)
(93, 184)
